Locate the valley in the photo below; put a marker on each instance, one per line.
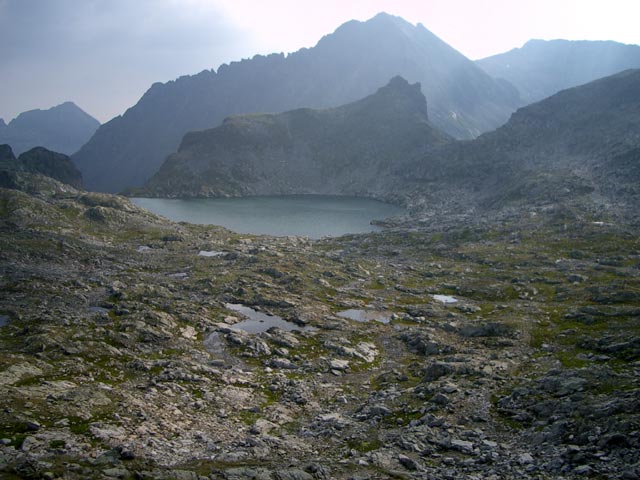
(532, 372)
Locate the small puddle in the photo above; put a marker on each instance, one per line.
(366, 315)
(205, 253)
(445, 298)
(258, 322)
(143, 248)
(4, 320)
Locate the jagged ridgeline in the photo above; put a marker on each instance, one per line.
(353, 62)
(356, 149)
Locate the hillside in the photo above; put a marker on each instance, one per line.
(63, 128)
(355, 149)
(347, 65)
(37, 160)
(541, 68)
(583, 140)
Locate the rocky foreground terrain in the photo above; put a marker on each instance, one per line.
(120, 359)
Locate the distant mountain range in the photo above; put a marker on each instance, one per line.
(541, 68)
(581, 141)
(37, 160)
(63, 128)
(354, 61)
(354, 149)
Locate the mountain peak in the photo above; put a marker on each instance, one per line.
(52, 164)
(63, 128)
(387, 17)
(68, 105)
(378, 19)
(383, 15)
(37, 160)
(65, 108)
(383, 27)
(400, 84)
(535, 41)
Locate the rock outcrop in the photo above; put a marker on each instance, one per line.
(37, 160)
(6, 154)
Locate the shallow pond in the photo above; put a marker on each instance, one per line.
(258, 322)
(314, 216)
(255, 323)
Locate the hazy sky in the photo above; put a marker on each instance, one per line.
(104, 54)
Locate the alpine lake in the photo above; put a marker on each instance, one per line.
(313, 216)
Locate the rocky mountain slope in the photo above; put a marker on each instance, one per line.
(541, 68)
(356, 149)
(63, 128)
(353, 62)
(583, 141)
(123, 353)
(37, 160)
